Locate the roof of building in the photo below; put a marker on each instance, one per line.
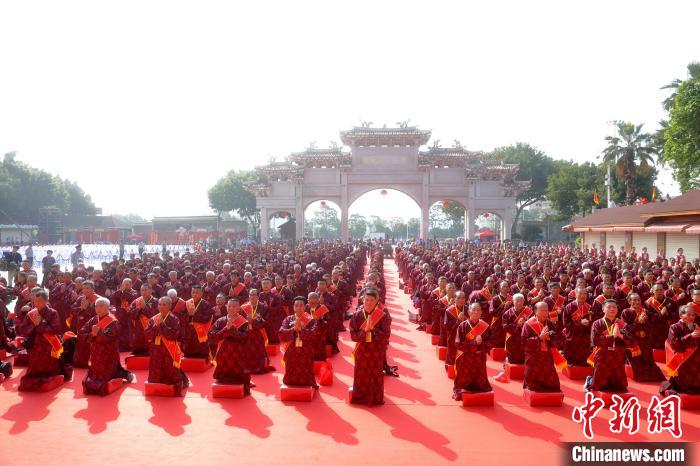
(366, 135)
(683, 208)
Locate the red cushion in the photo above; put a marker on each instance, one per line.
(219, 390)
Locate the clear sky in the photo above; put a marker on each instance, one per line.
(146, 103)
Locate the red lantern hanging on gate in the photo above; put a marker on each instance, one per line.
(323, 203)
(445, 203)
(486, 215)
(383, 192)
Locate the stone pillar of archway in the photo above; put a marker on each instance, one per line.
(469, 222)
(424, 222)
(344, 230)
(264, 225)
(505, 232)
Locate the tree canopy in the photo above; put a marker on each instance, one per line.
(535, 166)
(230, 194)
(681, 137)
(25, 190)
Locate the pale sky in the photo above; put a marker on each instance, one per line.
(145, 104)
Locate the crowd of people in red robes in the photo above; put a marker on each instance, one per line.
(221, 307)
(543, 308)
(552, 307)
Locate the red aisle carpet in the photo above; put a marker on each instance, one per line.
(419, 424)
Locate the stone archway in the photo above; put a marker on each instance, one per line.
(388, 158)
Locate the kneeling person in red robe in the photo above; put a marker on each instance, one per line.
(608, 357)
(542, 356)
(472, 341)
(41, 327)
(102, 332)
(162, 332)
(684, 367)
(297, 335)
(228, 338)
(370, 329)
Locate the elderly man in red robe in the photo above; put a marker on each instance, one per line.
(684, 365)
(141, 310)
(513, 321)
(275, 311)
(321, 315)
(577, 318)
(640, 323)
(454, 315)
(104, 365)
(121, 300)
(608, 357)
(472, 341)
(666, 311)
(42, 327)
(83, 311)
(542, 357)
(227, 338)
(195, 322)
(297, 335)
(256, 352)
(370, 329)
(499, 304)
(163, 332)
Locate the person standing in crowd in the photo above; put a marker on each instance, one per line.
(77, 256)
(46, 263)
(29, 253)
(14, 260)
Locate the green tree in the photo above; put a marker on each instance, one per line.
(230, 194)
(25, 190)
(570, 190)
(325, 223)
(682, 136)
(413, 227)
(378, 225)
(398, 227)
(531, 232)
(534, 166)
(693, 73)
(629, 147)
(357, 226)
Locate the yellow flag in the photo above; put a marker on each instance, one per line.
(596, 201)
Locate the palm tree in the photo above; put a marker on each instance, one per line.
(629, 147)
(693, 73)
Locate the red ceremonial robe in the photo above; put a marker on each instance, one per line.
(164, 363)
(540, 370)
(370, 351)
(515, 349)
(139, 322)
(687, 375)
(470, 364)
(641, 356)
(122, 300)
(608, 357)
(258, 361)
(104, 363)
(577, 346)
(298, 349)
(195, 328)
(228, 348)
(44, 350)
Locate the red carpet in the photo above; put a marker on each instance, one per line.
(420, 423)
